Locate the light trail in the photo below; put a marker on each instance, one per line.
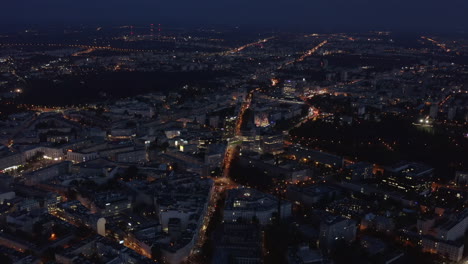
(222, 183)
(312, 51)
(305, 55)
(17, 76)
(438, 44)
(231, 149)
(239, 49)
(444, 101)
(385, 144)
(87, 47)
(245, 106)
(79, 53)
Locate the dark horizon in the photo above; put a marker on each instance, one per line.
(320, 15)
(248, 131)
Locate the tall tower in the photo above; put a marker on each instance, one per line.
(159, 31)
(101, 226)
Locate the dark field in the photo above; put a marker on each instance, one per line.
(99, 87)
(387, 142)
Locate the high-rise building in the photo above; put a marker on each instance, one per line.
(238, 243)
(461, 177)
(344, 76)
(174, 227)
(451, 113)
(289, 88)
(245, 204)
(433, 111)
(335, 228)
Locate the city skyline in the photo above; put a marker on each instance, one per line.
(329, 132)
(335, 15)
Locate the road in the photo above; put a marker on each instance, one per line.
(438, 44)
(305, 55)
(224, 182)
(86, 47)
(231, 150)
(239, 49)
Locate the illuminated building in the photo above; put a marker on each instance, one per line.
(289, 88)
(246, 204)
(11, 161)
(48, 173)
(181, 204)
(335, 228)
(261, 119)
(238, 243)
(78, 157)
(310, 195)
(319, 157)
(445, 236)
(452, 250)
(112, 203)
(408, 177)
(273, 143)
(461, 178)
(134, 156)
(359, 171)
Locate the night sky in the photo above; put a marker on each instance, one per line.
(405, 15)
